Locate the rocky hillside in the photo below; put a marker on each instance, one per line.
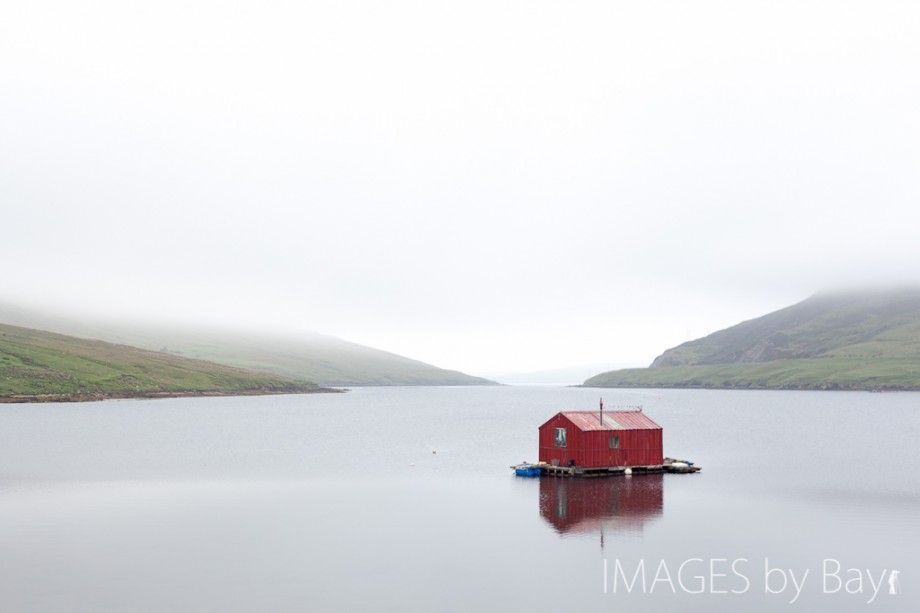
(846, 340)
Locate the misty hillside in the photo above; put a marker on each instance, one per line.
(306, 357)
(315, 357)
(37, 363)
(867, 325)
(852, 340)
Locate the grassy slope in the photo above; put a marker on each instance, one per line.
(835, 341)
(36, 362)
(817, 373)
(327, 360)
(824, 325)
(307, 357)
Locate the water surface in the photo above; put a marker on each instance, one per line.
(400, 499)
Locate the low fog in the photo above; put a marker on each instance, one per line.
(488, 187)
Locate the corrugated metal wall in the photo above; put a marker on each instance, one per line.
(592, 449)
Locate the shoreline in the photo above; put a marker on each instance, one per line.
(127, 395)
(753, 388)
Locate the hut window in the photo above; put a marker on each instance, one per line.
(560, 437)
(614, 442)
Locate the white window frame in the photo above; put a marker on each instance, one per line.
(561, 438)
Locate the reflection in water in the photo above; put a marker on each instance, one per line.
(595, 506)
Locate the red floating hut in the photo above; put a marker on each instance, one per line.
(601, 439)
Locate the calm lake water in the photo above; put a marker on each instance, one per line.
(807, 501)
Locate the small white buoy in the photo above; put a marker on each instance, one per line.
(434, 451)
(628, 472)
(412, 464)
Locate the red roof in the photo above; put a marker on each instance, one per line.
(613, 420)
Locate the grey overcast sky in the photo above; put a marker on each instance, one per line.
(486, 186)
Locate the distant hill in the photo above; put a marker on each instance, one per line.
(38, 365)
(571, 375)
(313, 357)
(842, 340)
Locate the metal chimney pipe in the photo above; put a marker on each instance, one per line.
(602, 412)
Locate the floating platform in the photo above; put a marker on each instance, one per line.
(543, 469)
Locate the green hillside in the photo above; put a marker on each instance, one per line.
(43, 365)
(854, 340)
(311, 357)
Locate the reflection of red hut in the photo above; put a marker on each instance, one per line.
(597, 439)
(587, 505)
